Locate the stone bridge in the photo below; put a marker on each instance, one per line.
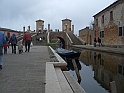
(66, 39)
(63, 36)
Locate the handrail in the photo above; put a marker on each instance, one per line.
(69, 38)
(48, 38)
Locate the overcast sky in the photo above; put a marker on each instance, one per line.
(14, 14)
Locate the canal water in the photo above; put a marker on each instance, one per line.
(97, 70)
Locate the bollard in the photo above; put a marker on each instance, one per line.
(113, 87)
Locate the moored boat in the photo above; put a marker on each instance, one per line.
(67, 53)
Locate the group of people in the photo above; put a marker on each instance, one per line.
(40, 39)
(13, 41)
(99, 41)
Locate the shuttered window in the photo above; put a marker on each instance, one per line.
(101, 34)
(121, 31)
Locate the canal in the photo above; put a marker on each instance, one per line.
(97, 70)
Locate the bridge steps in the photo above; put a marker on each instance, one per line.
(42, 43)
(74, 39)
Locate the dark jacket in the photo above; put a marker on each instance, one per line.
(13, 39)
(99, 40)
(95, 40)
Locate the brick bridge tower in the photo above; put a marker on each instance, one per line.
(39, 26)
(66, 25)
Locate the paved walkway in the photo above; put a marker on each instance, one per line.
(102, 49)
(24, 73)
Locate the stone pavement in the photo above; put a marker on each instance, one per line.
(24, 73)
(102, 49)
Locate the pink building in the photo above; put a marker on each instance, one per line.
(9, 32)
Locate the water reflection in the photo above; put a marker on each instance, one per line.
(74, 65)
(70, 64)
(106, 68)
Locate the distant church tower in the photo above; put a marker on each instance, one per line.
(66, 25)
(39, 26)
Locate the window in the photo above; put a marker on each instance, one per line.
(111, 16)
(119, 69)
(121, 31)
(101, 34)
(103, 19)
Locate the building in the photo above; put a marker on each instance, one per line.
(9, 32)
(87, 35)
(109, 24)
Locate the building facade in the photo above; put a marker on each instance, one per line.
(8, 32)
(109, 24)
(87, 35)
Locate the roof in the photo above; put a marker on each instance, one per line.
(66, 19)
(109, 7)
(39, 20)
(6, 29)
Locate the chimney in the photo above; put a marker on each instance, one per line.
(29, 28)
(24, 29)
(48, 27)
(72, 28)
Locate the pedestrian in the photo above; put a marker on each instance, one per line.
(99, 41)
(43, 39)
(95, 41)
(13, 40)
(27, 39)
(7, 41)
(40, 39)
(5, 47)
(20, 47)
(2, 42)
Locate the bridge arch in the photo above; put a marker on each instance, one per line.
(59, 35)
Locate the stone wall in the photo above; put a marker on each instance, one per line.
(87, 35)
(110, 27)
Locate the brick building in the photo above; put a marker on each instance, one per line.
(109, 24)
(87, 35)
(9, 32)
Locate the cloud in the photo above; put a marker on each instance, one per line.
(15, 14)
